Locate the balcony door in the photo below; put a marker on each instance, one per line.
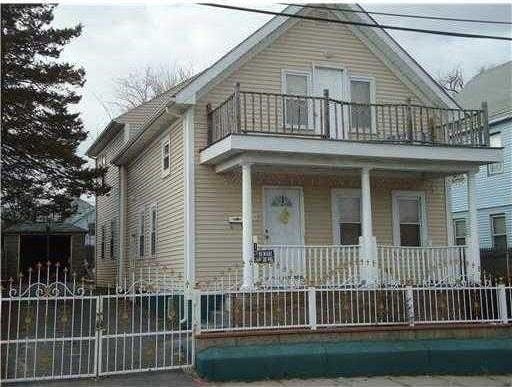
(331, 79)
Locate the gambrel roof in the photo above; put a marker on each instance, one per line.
(186, 93)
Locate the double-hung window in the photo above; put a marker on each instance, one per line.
(459, 231)
(165, 157)
(140, 234)
(495, 142)
(296, 86)
(409, 223)
(112, 238)
(346, 216)
(153, 229)
(499, 231)
(361, 95)
(103, 236)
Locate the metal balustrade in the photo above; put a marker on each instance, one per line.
(256, 112)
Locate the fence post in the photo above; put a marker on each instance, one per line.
(238, 116)
(409, 304)
(312, 307)
(327, 115)
(196, 311)
(98, 335)
(485, 128)
(209, 123)
(502, 303)
(409, 119)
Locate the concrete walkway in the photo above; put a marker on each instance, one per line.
(179, 379)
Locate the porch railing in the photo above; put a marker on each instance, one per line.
(421, 265)
(309, 265)
(325, 117)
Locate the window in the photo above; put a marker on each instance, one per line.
(409, 227)
(102, 248)
(296, 108)
(495, 142)
(166, 157)
(112, 238)
(361, 115)
(153, 230)
(141, 230)
(459, 231)
(92, 228)
(103, 164)
(346, 216)
(499, 232)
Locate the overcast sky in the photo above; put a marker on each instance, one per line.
(118, 40)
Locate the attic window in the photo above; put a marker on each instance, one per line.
(166, 156)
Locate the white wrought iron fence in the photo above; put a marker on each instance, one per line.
(259, 309)
(55, 326)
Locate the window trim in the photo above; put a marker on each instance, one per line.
(152, 208)
(141, 230)
(347, 193)
(165, 141)
(371, 80)
(493, 235)
(397, 195)
(309, 88)
(500, 170)
(454, 221)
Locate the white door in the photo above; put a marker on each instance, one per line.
(331, 79)
(283, 227)
(283, 216)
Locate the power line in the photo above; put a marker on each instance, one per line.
(403, 14)
(381, 26)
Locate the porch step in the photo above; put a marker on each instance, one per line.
(356, 358)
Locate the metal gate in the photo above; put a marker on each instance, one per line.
(56, 327)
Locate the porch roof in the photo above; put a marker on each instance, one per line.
(236, 149)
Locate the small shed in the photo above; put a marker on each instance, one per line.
(26, 244)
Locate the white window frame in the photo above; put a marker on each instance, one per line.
(165, 142)
(309, 87)
(493, 234)
(371, 81)
(396, 196)
(495, 168)
(152, 230)
(455, 237)
(141, 230)
(345, 193)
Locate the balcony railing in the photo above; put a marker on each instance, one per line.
(246, 112)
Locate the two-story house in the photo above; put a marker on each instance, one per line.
(325, 144)
(493, 181)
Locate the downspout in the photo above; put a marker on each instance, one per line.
(122, 223)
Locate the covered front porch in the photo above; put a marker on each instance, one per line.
(345, 220)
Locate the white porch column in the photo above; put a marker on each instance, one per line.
(247, 246)
(369, 270)
(473, 254)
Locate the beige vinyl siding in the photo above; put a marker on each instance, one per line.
(218, 245)
(107, 208)
(147, 187)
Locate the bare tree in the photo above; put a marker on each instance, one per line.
(142, 85)
(452, 81)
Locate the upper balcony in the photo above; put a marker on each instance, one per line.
(272, 128)
(250, 112)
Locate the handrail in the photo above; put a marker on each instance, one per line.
(325, 117)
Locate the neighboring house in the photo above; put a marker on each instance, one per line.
(324, 143)
(493, 181)
(24, 245)
(85, 217)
